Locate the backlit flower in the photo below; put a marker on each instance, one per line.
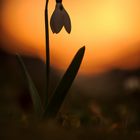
(60, 18)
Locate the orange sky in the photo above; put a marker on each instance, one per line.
(110, 30)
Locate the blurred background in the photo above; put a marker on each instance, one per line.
(106, 91)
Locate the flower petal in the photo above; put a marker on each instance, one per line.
(67, 21)
(56, 21)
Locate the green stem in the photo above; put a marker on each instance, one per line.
(47, 52)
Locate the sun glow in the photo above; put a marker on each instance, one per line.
(109, 30)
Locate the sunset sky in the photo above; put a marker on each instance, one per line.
(110, 30)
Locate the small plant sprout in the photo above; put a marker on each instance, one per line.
(51, 107)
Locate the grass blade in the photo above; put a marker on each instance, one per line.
(60, 93)
(33, 91)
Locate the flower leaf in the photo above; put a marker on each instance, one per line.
(67, 21)
(56, 21)
(33, 91)
(64, 85)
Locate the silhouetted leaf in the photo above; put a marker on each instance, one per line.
(64, 85)
(33, 91)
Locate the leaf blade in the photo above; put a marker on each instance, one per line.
(33, 91)
(61, 91)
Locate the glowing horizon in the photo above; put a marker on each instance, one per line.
(110, 30)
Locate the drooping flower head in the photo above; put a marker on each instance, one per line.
(60, 18)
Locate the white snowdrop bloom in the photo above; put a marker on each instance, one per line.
(60, 18)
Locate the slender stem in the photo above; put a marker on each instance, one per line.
(47, 52)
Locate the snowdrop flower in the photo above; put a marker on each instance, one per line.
(60, 18)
